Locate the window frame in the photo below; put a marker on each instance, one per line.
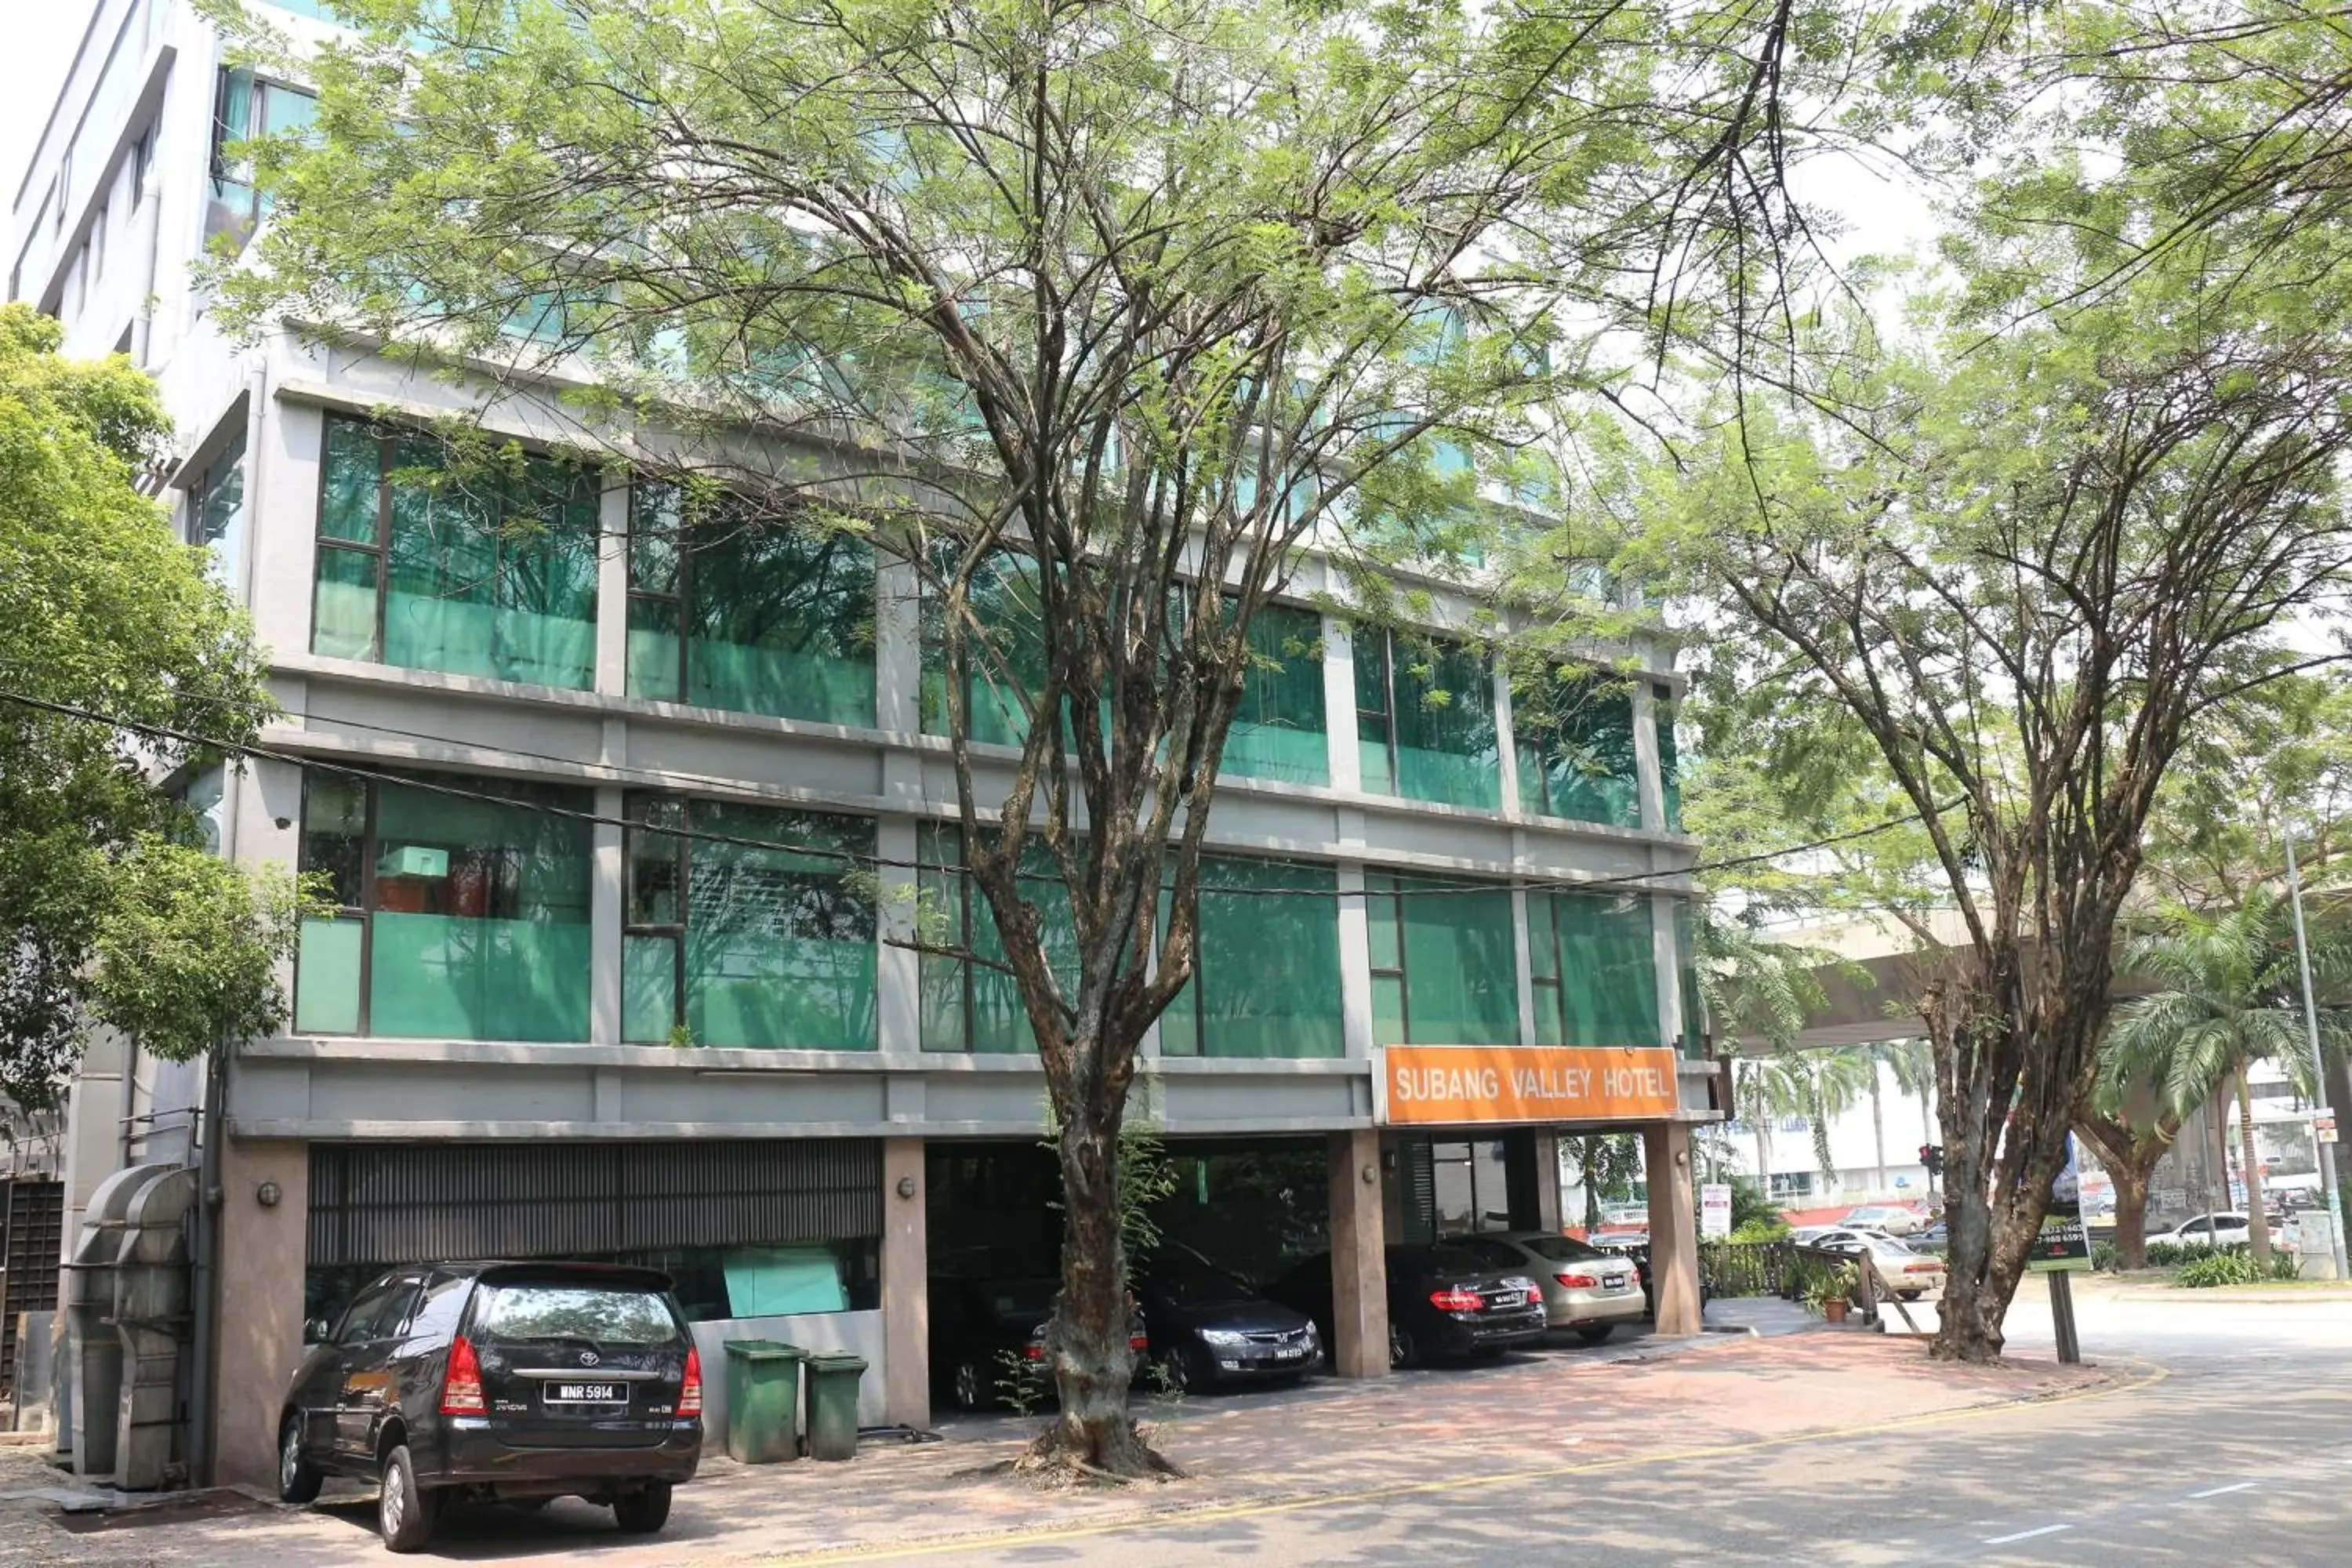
(218, 166)
(386, 440)
(678, 930)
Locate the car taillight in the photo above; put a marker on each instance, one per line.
(1454, 1300)
(689, 1398)
(461, 1386)
(1922, 1268)
(1578, 1281)
(1138, 1342)
(1035, 1352)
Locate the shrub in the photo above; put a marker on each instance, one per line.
(1753, 1231)
(2103, 1257)
(2169, 1254)
(2223, 1267)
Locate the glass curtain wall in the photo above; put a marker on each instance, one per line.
(458, 916)
(1573, 732)
(1595, 969)
(976, 1008)
(1006, 664)
(1266, 981)
(1425, 721)
(491, 576)
(730, 610)
(1444, 964)
(750, 936)
(1278, 731)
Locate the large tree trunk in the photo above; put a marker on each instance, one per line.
(2257, 1224)
(2131, 1211)
(1087, 1344)
(1999, 1166)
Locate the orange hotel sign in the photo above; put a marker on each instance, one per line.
(1447, 1085)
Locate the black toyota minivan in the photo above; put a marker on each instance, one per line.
(500, 1382)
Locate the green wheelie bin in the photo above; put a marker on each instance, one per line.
(763, 1401)
(833, 1378)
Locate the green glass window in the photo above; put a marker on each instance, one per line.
(457, 917)
(1006, 662)
(729, 610)
(1686, 978)
(492, 576)
(1425, 721)
(1670, 788)
(1573, 733)
(1595, 969)
(1279, 730)
(1445, 965)
(969, 1007)
(1266, 982)
(729, 942)
(246, 108)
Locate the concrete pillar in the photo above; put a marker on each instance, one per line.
(260, 1311)
(906, 1286)
(606, 893)
(1674, 1227)
(1645, 759)
(1548, 1180)
(1360, 1291)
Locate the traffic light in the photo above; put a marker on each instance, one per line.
(1932, 1156)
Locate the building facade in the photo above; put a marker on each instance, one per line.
(584, 794)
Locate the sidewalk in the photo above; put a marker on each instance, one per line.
(1533, 1416)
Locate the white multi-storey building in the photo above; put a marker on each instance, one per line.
(537, 1025)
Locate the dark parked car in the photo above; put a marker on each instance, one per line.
(1209, 1327)
(508, 1381)
(988, 1338)
(1441, 1302)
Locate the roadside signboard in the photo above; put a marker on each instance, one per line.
(2323, 1128)
(2062, 1247)
(1715, 1210)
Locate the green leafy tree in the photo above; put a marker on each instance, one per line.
(2004, 574)
(1091, 315)
(2230, 995)
(1607, 1166)
(111, 909)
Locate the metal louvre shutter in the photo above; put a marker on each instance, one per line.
(414, 1202)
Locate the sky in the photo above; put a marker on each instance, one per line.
(41, 39)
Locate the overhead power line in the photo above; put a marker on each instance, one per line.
(1426, 883)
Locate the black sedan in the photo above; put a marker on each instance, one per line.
(988, 1339)
(1441, 1302)
(1209, 1327)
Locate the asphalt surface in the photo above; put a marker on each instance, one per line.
(2230, 1441)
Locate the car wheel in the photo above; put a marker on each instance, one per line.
(298, 1478)
(405, 1512)
(971, 1390)
(1188, 1371)
(642, 1513)
(1911, 1295)
(1592, 1335)
(1402, 1352)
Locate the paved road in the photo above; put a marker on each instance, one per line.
(2239, 1452)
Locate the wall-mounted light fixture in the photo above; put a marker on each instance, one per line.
(1372, 1175)
(905, 1186)
(267, 1193)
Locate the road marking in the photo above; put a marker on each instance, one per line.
(2216, 1492)
(2152, 1373)
(2026, 1534)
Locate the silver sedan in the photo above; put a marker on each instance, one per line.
(1586, 1291)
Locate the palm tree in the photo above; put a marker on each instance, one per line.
(1913, 1072)
(1814, 1084)
(1605, 1162)
(2231, 997)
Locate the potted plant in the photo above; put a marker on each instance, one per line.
(1829, 1290)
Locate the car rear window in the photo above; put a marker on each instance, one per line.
(544, 1311)
(1562, 1248)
